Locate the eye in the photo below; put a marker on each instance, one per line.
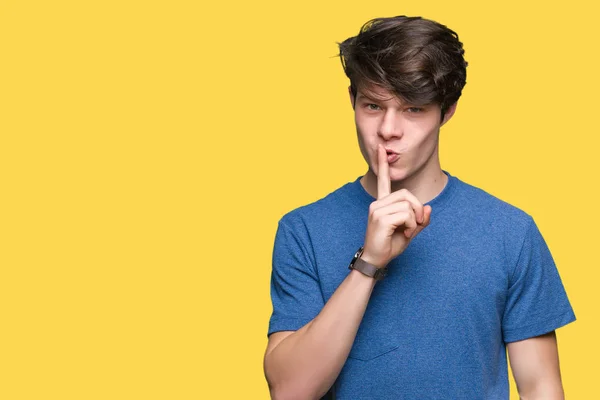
(415, 109)
(373, 107)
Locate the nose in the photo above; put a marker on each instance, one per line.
(391, 126)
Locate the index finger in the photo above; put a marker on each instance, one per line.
(383, 173)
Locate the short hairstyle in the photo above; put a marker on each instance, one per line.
(418, 60)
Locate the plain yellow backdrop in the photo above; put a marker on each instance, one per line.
(148, 149)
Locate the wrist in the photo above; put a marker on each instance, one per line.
(373, 260)
(358, 276)
(365, 267)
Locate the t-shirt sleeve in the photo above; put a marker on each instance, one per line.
(295, 290)
(537, 302)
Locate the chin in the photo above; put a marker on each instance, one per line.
(399, 173)
(398, 177)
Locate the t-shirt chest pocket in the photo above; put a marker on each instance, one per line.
(377, 333)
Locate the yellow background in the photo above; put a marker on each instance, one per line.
(148, 149)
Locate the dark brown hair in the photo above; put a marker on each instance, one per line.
(418, 60)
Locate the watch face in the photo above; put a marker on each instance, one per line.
(356, 255)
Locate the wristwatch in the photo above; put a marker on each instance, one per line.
(365, 268)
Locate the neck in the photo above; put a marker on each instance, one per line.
(425, 185)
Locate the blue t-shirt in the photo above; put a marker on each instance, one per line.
(479, 276)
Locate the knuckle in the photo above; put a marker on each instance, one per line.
(376, 214)
(372, 207)
(406, 209)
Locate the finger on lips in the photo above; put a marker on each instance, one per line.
(383, 174)
(385, 199)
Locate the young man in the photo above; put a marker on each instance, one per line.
(446, 278)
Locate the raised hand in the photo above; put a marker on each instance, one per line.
(394, 218)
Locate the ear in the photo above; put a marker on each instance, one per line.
(352, 99)
(449, 113)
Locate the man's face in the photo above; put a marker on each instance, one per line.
(409, 133)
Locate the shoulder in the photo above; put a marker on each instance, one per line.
(488, 207)
(492, 218)
(323, 209)
(299, 228)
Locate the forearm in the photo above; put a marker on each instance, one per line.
(543, 391)
(307, 362)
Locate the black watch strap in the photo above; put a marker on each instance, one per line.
(365, 268)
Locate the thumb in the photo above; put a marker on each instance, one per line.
(426, 220)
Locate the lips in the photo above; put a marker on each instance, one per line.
(392, 156)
